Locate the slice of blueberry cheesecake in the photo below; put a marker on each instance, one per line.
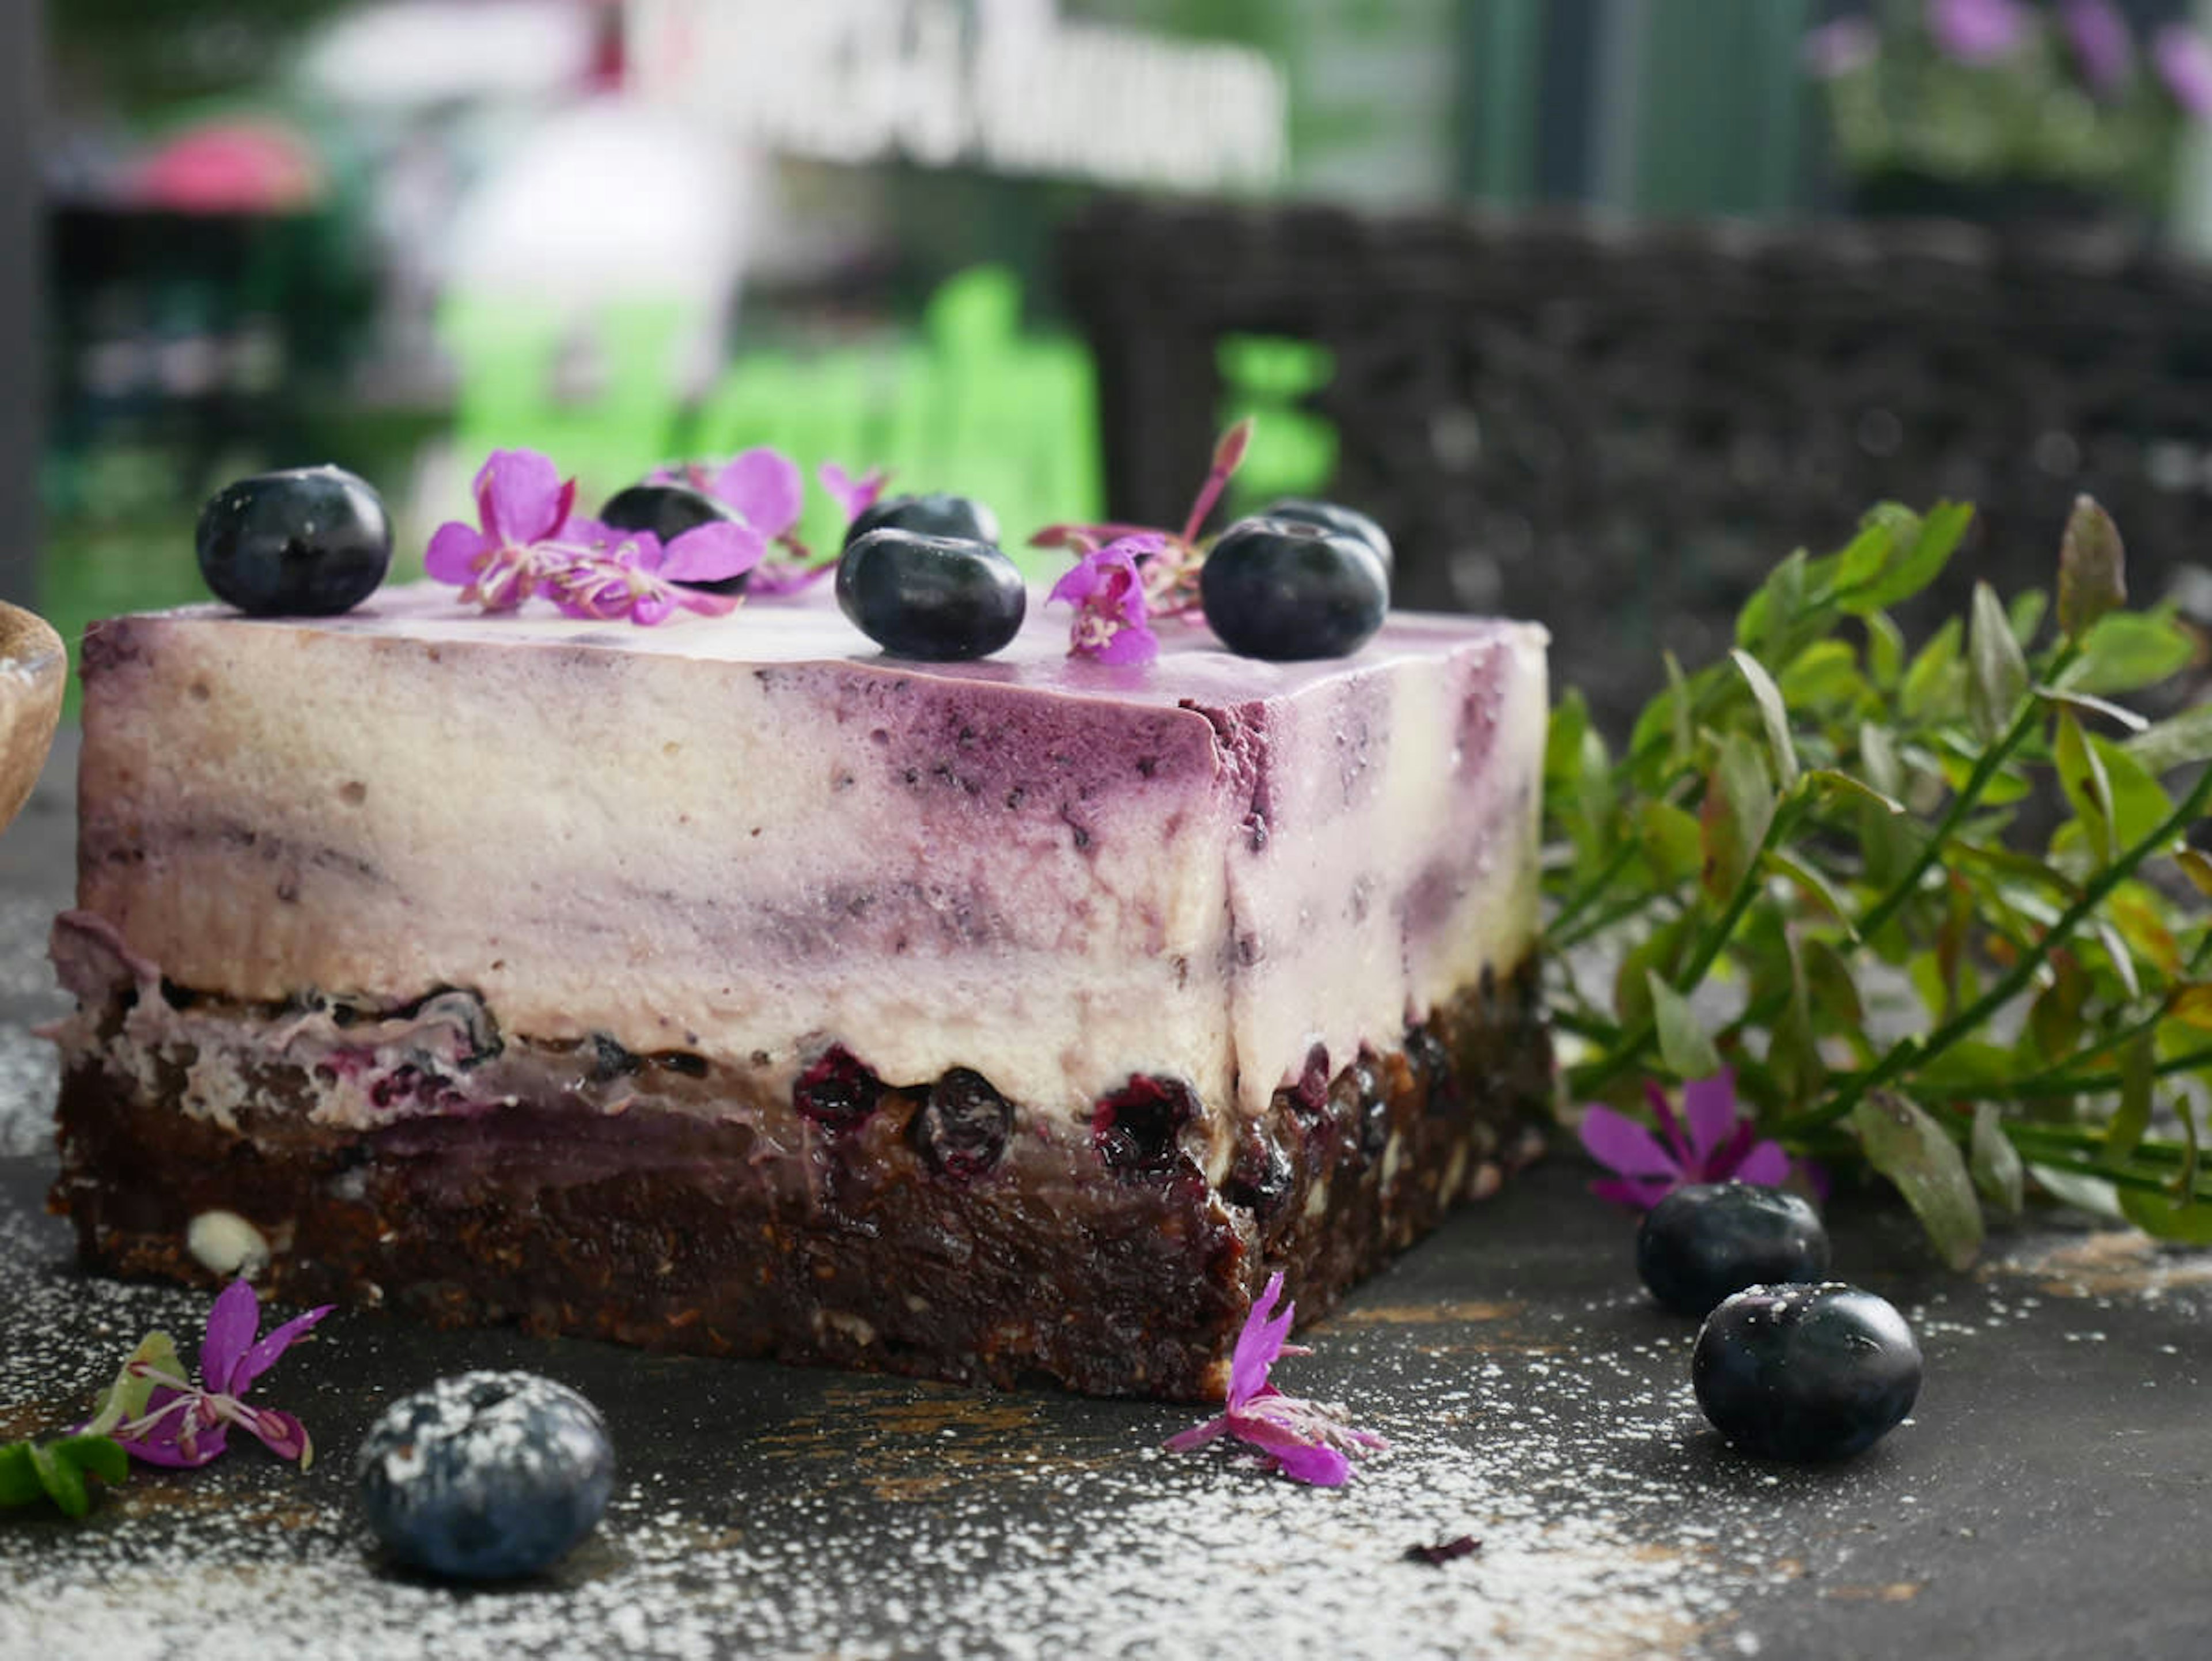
(735, 986)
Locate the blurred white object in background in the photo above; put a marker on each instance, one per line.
(436, 52)
(612, 203)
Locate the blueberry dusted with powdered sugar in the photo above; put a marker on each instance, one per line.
(485, 1476)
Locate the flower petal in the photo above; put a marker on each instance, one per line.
(520, 497)
(1183, 1441)
(1709, 1105)
(259, 1359)
(453, 552)
(766, 486)
(1616, 1140)
(774, 578)
(706, 553)
(1259, 1344)
(283, 1436)
(1137, 645)
(1294, 1456)
(166, 1450)
(853, 496)
(1638, 1193)
(230, 1328)
(1766, 1165)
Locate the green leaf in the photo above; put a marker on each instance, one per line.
(1793, 1052)
(2127, 651)
(1682, 711)
(2177, 1222)
(1861, 559)
(1878, 756)
(2082, 776)
(1671, 843)
(1815, 886)
(1683, 1044)
(1933, 683)
(2088, 704)
(102, 1455)
(1660, 952)
(1999, 678)
(125, 1399)
(59, 1477)
(2054, 1019)
(1836, 783)
(1778, 602)
(2138, 1069)
(1909, 1148)
(1885, 650)
(2192, 1006)
(1919, 559)
(1835, 994)
(2091, 1194)
(19, 1478)
(2025, 614)
(2197, 865)
(1773, 715)
(1823, 676)
(1739, 805)
(2180, 741)
(2140, 803)
(1995, 1162)
(2092, 569)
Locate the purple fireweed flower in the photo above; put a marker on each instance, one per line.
(522, 513)
(1168, 561)
(1106, 589)
(2184, 64)
(2102, 44)
(1979, 32)
(853, 496)
(1841, 48)
(187, 1425)
(764, 487)
(1307, 1441)
(628, 574)
(1716, 1144)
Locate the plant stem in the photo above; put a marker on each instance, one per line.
(1710, 943)
(1591, 892)
(1901, 892)
(1906, 1051)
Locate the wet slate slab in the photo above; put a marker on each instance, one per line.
(2044, 1499)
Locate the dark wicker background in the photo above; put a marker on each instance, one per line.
(1617, 431)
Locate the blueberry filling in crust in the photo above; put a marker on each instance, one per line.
(930, 1227)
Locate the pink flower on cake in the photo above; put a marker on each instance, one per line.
(765, 488)
(187, 1425)
(628, 574)
(1717, 1143)
(1306, 1441)
(854, 496)
(1106, 589)
(1167, 562)
(522, 510)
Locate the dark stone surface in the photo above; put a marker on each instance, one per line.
(2046, 1499)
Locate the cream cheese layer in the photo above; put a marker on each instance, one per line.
(754, 836)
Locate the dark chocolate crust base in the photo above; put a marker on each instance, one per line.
(846, 1245)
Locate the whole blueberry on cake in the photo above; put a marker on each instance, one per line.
(585, 939)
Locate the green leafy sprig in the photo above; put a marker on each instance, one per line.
(55, 1470)
(1824, 863)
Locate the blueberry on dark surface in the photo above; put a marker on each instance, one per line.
(307, 542)
(1279, 589)
(961, 1128)
(1262, 1176)
(837, 1089)
(1335, 516)
(485, 1476)
(668, 511)
(945, 600)
(1138, 1129)
(1805, 1371)
(1704, 1241)
(939, 515)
